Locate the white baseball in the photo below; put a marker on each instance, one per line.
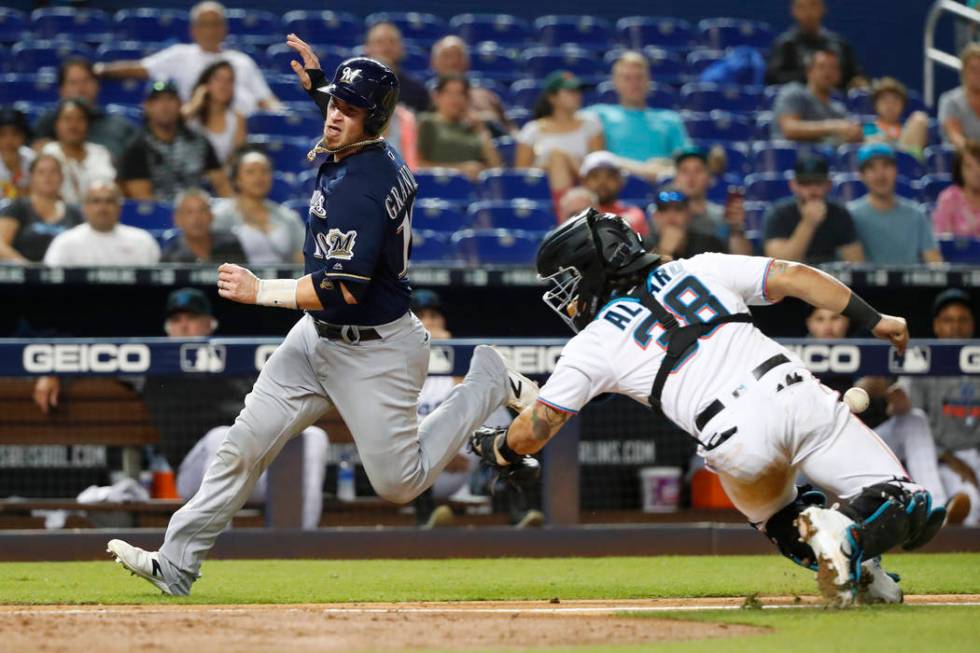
(857, 400)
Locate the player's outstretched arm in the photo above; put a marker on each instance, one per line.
(817, 288)
(532, 429)
(239, 285)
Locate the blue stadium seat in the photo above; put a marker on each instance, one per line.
(932, 185)
(79, 24)
(30, 56)
(939, 158)
(424, 29)
(659, 31)
(252, 22)
(308, 123)
(718, 126)
(120, 51)
(496, 246)
(636, 190)
(908, 165)
(147, 214)
(666, 67)
(129, 112)
(518, 115)
(704, 97)
(491, 61)
(502, 89)
(766, 186)
(22, 86)
(335, 27)
(279, 55)
(507, 149)
(501, 184)
(698, 60)
(286, 186)
(525, 92)
(13, 25)
(774, 156)
(286, 154)
(526, 215)
(859, 101)
(416, 60)
(539, 61)
(430, 247)
(33, 110)
(122, 91)
(755, 215)
(300, 205)
(499, 28)
(722, 33)
(849, 187)
(147, 24)
(959, 249)
(164, 236)
(287, 89)
(581, 30)
(438, 215)
(737, 160)
(661, 96)
(444, 183)
(718, 189)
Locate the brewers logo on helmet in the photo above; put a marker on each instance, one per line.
(369, 84)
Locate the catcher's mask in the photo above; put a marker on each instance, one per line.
(588, 258)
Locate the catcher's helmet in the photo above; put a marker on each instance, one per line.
(369, 84)
(587, 258)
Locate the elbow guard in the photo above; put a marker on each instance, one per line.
(329, 291)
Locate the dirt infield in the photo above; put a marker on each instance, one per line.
(370, 626)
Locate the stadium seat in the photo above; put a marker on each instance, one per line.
(430, 247)
(636, 190)
(849, 187)
(122, 91)
(31, 56)
(252, 22)
(496, 246)
(720, 186)
(337, 28)
(492, 61)
(501, 184)
(539, 61)
(659, 31)
(518, 115)
(525, 92)
(718, 126)
(666, 67)
(13, 25)
(300, 205)
(502, 89)
(444, 183)
(292, 124)
(287, 89)
(164, 236)
(503, 29)
(939, 158)
(737, 159)
(581, 30)
(128, 111)
(766, 186)
(421, 28)
(20, 86)
(147, 214)
(120, 51)
(959, 249)
(286, 154)
(859, 101)
(698, 60)
(722, 33)
(526, 215)
(80, 24)
(285, 186)
(438, 215)
(933, 185)
(755, 215)
(704, 97)
(774, 156)
(507, 149)
(908, 165)
(279, 55)
(148, 24)
(661, 96)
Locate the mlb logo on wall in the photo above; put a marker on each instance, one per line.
(917, 360)
(202, 358)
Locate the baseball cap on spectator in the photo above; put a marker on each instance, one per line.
(597, 160)
(159, 86)
(669, 197)
(561, 80)
(10, 117)
(690, 151)
(811, 169)
(872, 151)
(188, 300)
(426, 299)
(950, 296)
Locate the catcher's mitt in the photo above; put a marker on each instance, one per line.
(522, 473)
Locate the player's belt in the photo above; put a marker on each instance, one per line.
(347, 332)
(716, 406)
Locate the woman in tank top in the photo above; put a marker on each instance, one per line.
(210, 111)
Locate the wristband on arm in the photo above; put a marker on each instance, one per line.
(318, 79)
(505, 452)
(860, 313)
(280, 293)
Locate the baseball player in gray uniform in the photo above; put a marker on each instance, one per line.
(358, 346)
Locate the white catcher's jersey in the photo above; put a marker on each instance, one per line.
(621, 350)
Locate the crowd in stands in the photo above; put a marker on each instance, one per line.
(820, 164)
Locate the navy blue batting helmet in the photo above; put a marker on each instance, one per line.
(369, 84)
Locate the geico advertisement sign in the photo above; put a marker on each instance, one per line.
(102, 357)
(532, 359)
(970, 359)
(843, 359)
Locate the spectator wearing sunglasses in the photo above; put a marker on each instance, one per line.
(672, 235)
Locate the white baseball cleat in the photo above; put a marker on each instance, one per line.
(876, 585)
(824, 530)
(521, 391)
(140, 563)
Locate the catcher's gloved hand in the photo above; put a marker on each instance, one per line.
(521, 472)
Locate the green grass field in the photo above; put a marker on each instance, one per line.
(885, 628)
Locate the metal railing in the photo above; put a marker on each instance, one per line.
(934, 55)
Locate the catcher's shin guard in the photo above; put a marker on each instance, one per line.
(781, 527)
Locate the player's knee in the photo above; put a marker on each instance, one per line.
(396, 492)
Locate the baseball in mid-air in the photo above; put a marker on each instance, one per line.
(857, 400)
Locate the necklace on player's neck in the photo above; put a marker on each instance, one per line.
(318, 149)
